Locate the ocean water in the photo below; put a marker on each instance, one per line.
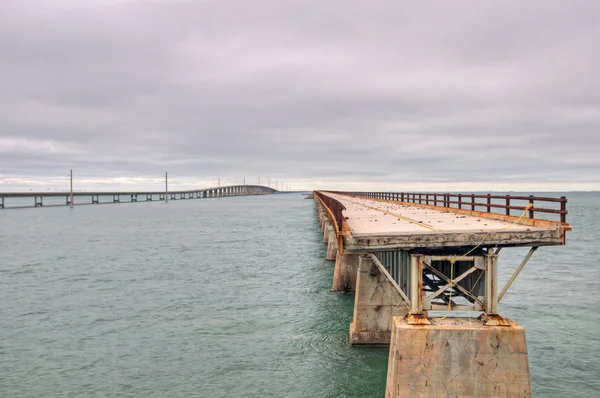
(231, 298)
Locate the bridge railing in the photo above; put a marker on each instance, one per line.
(488, 203)
(336, 208)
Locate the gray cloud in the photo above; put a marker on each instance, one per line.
(307, 91)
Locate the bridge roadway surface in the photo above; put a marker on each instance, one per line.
(388, 225)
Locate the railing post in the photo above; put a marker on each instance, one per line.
(435, 199)
(460, 200)
(508, 205)
(472, 201)
(563, 208)
(420, 199)
(531, 203)
(489, 201)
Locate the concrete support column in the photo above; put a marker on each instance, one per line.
(326, 225)
(457, 357)
(332, 246)
(376, 302)
(344, 273)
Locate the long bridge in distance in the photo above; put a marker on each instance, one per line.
(70, 198)
(407, 256)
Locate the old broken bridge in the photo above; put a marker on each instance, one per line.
(406, 254)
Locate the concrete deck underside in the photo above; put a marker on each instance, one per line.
(385, 225)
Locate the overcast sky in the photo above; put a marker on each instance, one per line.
(317, 93)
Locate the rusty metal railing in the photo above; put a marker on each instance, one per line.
(336, 208)
(477, 202)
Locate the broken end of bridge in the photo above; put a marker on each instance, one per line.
(406, 255)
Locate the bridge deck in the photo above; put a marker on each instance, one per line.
(387, 225)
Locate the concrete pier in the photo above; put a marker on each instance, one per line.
(376, 301)
(327, 226)
(344, 273)
(457, 357)
(332, 246)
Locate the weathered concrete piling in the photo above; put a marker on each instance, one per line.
(332, 247)
(457, 357)
(376, 301)
(345, 272)
(327, 227)
(403, 255)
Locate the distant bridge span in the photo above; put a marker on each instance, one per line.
(144, 196)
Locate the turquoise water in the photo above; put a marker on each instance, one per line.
(230, 298)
